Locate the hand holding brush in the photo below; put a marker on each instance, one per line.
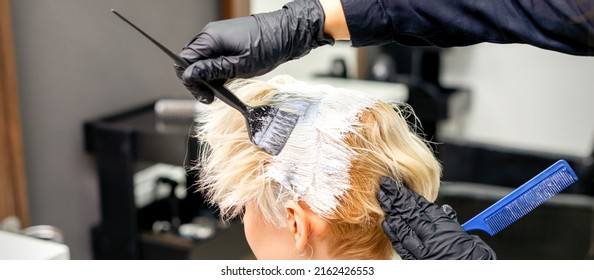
(268, 127)
(253, 45)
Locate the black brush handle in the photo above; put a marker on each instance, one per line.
(175, 57)
(217, 87)
(221, 92)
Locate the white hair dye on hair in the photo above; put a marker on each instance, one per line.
(314, 163)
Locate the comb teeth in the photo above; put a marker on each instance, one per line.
(528, 201)
(524, 199)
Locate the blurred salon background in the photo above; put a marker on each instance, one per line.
(95, 126)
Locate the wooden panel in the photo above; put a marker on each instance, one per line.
(235, 8)
(13, 193)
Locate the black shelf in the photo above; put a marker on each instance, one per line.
(124, 143)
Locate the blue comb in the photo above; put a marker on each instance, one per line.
(524, 199)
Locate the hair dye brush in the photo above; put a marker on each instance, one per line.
(269, 127)
(524, 199)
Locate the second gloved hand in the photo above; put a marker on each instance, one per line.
(420, 229)
(252, 46)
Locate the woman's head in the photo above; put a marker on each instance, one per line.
(320, 191)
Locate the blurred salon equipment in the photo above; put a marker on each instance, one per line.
(418, 69)
(39, 242)
(149, 209)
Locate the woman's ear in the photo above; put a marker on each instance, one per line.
(298, 223)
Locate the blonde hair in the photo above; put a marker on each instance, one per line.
(383, 144)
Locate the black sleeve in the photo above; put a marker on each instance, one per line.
(561, 25)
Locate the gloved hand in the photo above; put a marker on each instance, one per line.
(420, 229)
(252, 46)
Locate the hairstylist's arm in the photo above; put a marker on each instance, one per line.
(420, 229)
(254, 45)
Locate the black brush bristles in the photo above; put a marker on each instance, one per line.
(276, 125)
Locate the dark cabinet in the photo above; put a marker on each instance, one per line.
(124, 144)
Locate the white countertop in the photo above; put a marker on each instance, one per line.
(20, 247)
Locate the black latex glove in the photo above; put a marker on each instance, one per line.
(420, 229)
(252, 46)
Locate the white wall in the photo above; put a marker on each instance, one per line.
(76, 61)
(318, 61)
(523, 97)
